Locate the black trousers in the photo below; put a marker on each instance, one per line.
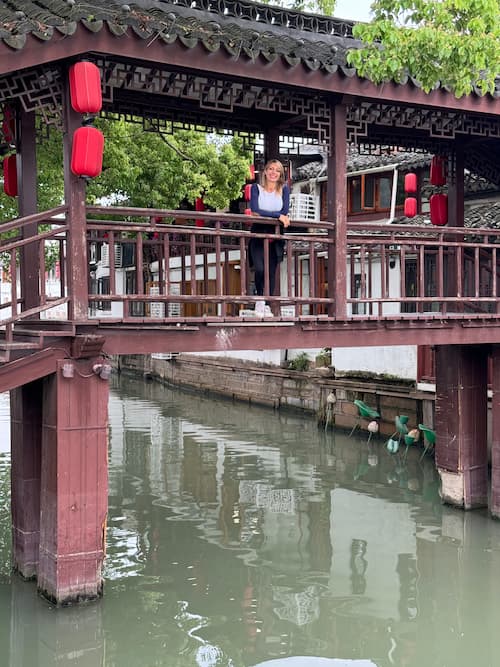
(256, 254)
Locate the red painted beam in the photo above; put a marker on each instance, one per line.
(220, 62)
(32, 367)
(275, 335)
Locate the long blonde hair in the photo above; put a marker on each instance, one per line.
(280, 183)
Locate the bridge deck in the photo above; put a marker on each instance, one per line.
(153, 282)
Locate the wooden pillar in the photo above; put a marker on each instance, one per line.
(26, 437)
(461, 424)
(73, 503)
(336, 194)
(27, 180)
(271, 144)
(495, 432)
(456, 189)
(74, 196)
(455, 219)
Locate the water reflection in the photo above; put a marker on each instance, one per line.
(238, 536)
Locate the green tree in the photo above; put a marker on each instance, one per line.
(325, 7)
(452, 43)
(146, 169)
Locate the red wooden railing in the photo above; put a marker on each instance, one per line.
(49, 243)
(139, 267)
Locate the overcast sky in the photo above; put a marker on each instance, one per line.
(357, 10)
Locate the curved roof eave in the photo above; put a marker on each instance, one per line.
(291, 49)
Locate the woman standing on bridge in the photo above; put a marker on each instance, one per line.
(270, 199)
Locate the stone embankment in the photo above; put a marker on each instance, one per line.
(281, 388)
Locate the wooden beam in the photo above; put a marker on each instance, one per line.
(197, 58)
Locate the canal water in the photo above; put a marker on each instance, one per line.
(237, 535)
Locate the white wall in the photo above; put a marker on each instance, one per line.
(400, 361)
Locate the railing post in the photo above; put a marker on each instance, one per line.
(74, 195)
(337, 212)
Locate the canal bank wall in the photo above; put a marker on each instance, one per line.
(311, 391)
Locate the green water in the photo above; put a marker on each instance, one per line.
(238, 535)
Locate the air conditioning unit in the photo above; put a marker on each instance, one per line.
(165, 356)
(174, 309)
(304, 207)
(118, 255)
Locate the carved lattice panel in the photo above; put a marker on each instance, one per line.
(37, 90)
(219, 97)
(437, 123)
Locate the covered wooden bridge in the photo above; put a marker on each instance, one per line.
(276, 76)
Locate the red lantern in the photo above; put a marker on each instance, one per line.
(439, 209)
(85, 87)
(247, 192)
(88, 148)
(410, 183)
(10, 175)
(438, 170)
(410, 207)
(252, 172)
(199, 205)
(8, 125)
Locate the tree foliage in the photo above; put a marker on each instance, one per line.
(451, 43)
(325, 7)
(146, 169)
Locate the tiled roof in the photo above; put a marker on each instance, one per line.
(240, 27)
(484, 215)
(405, 161)
(357, 162)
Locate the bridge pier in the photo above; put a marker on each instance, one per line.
(26, 447)
(59, 501)
(495, 432)
(461, 424)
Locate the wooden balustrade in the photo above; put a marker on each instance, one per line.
(156, 265)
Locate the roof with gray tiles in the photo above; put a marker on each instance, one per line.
(406, 161)
(239, 27)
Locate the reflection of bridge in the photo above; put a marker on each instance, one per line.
(277, 76)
